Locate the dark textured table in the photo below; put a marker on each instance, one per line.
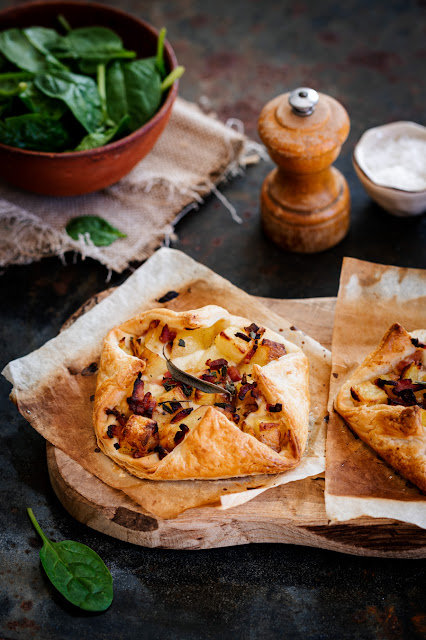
(371, 57)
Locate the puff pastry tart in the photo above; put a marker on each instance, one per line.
(158, 427)
(384, 402)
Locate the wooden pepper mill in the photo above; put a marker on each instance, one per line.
(305, 203)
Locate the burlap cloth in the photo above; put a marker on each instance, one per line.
(194, 154)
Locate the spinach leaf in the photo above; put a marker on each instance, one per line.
(48, 42)
(76, 571)
(116, 99)
(38, 102)
(79, 93)
(16, 47)
(34, 131)
(94, 46)
(101, 232)
(103, 136)
(133, 88)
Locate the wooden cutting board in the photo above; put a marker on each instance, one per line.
(291, 514)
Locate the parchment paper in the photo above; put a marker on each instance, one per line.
(53, 386)
(358, 483)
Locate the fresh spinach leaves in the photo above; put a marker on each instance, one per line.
(101, 232)
(79, 93)
(34, 131)
(16, 47)
(76, 571)
(80, 90)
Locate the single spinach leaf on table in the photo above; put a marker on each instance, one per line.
(103, 136)
(78, 92)
(34, 131)
(101, 232)
(133, 88)
(16, 47)
(76, 571)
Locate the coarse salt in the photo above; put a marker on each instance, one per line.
(398, 162)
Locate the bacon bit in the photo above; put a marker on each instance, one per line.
(179, 435)
(234, 374)
(249, 408)
(354, 395)
(382, 383)
(274, 408)
(182, 414)
(167, 375)
(138, 454)
(215, 365)
(245, 388)
(138, 388)
(208, 377)
(242, 336)
(250, 354)
(416, 342)
(161, 451)
(407, 395)
(255, 392)
(122, 341)
(415, 357)
(144, 406)
(113, 431)
(244, 379)
(253, 327)
(276, 349)
(167, 335)
(120, 417)
(406, 383)
(236, 418)
(154, 324)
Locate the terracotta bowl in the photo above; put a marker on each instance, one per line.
(75, 173)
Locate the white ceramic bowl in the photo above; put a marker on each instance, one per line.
(397, 201)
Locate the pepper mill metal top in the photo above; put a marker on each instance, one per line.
(303, 101)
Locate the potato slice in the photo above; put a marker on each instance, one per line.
(413, 372)
(232, 346)
(369, 393)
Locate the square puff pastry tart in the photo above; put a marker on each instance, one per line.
(384, 402)
(159, 428)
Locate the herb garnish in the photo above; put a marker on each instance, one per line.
(181, 342)
(76, 571)
(191, 381)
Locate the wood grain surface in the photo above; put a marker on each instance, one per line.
(290, 514)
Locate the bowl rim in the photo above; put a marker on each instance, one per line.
(409, 124)
(402, 192)
(117, 144)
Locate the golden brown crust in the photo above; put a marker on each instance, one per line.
(213, 445)
(395, 432)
